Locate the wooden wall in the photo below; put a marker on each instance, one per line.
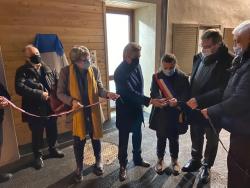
(74, 21)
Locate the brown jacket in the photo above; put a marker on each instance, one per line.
(63, 89)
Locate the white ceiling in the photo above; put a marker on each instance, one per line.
(126, 4)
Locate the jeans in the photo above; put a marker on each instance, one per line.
(37, 128)
(173, 147)
(136, 142)
(197, 137)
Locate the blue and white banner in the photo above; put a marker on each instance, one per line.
(51, 50)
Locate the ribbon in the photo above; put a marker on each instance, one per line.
(53, 115)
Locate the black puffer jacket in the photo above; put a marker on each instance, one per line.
(3, 92)
(30, 85)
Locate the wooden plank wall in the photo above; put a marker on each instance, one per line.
(74, 21)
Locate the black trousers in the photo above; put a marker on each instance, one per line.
(136, 142)
(238, 162)
(37, 127)
(197, 137)
(79, 150)
(173, 146)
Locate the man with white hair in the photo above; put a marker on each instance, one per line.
(129, 110)
(233, 113)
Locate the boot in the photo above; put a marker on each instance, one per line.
(159, 167)
(175, 167)
(98, 168)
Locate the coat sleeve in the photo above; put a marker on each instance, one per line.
(185, 94)
(4, 92)
(154, 90)
(62, 87)
(23, 89)
(238, 103)
(101, 90)
(127, 92)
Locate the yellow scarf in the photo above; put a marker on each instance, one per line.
(79, 128)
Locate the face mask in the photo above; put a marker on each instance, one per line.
(83, 64)
(206, 52)
(168, 72)
(237, 50)
(36, 59)
(135, 60)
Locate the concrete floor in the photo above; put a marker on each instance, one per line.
(57, 173)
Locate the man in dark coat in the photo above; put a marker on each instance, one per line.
(3, 93)
(129, 108)
(209, 75)
(34, 82)
(233, 113)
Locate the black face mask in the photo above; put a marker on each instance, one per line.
(36, 59)
(135, 61)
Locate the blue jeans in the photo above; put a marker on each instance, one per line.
(79, 148)
(136, 142)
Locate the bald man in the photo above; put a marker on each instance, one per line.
(34, 82)
(233, 113)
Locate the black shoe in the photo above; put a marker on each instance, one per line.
(191, 166)
(5, 177)
(55, 153)
(38, 163)
(122, 173)
(78, 178)
(142, 164)
(98, 168)
(205, 174)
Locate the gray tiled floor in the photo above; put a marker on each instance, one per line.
(58, 172)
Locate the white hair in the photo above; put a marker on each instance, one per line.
(243, 27)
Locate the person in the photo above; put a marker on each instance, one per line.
(165, 120)
(129, 109)
(209, 75)
(3, 93)
(232, 113)
(34, 82)
(80, 85)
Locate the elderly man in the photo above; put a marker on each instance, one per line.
(209, 75)
(34, 82)
(3, 93)
(129, 110)
(80, 85)
(233, 113)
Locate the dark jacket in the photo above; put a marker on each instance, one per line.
(30, 85)
(4, 93)
(129, 85)
(213, 79)
(233, 113)
(165, 120)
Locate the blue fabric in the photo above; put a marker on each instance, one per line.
(48, 43)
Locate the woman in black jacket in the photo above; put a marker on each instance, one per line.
(165, 120)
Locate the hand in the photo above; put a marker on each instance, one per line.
(205, 113)
(76, 105)
(3, 103)
(113, 96)
(192, 103)
(159, 102)
(45, 96)
(173, 102)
